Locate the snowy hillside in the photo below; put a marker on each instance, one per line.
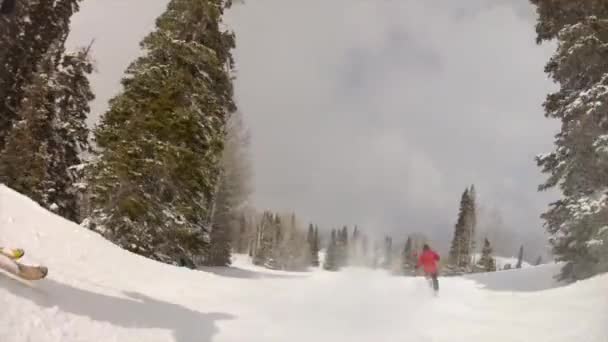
(98, 292)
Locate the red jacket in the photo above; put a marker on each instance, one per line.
(428, 260)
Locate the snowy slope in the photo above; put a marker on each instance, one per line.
(98, 292)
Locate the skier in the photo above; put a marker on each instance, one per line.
(428, 260)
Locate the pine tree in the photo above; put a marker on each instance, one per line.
(472, 220)
(236, 179)
(388, 252)
(310, 235)
(242, 237)
(42, 155)
(297, 256)
(273, 261)
(313, 244)
(407, 264)
(354, 248)
(331, 262)
(365, 249)
(314, 248)
(74, 94)
(578, 165)
(219, 251)
(155, 180)
(520, 257)
(26, 37)
(460, 252)
(233, 191)
(342, 246)
(263, 243)
(486, 263)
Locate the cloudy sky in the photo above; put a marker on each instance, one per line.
(374, 112)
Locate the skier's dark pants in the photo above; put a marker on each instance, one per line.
(433, 277)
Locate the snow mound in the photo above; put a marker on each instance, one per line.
(96, 291)
(528, 278)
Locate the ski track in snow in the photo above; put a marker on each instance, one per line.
(97, 292)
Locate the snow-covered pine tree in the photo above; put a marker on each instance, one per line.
(316, 245)
(460, 254)
(262, 247)
(273, 259)
(46, 144)
(332, 256)
(25, 160)
(162, 138)
(219, 251)
(387, 253)
(472, 221)
(407, 262)
(237, 171)
(342, 246)
(313, 244)
(296, 252)
(520, 257)
(578, 165)
(365, 250)
(241, 239)
(486, 263)
(232, 192)
(310, 236)
(73, 99)
(26, 37)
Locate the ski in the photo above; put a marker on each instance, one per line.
(13, 253)
(26, 272)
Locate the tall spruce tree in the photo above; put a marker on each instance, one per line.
(237, 173)
(472, 221)
(162, 139)
(43, 151)
(365, 249)
(233, 190)
(407, 262)
(331, 262)
(263, 243)
(486, 263)
(520, 257)
(313, 244)
(342, 246)
(578, 165)
(460, 252)
(219, 251)
(314, 251)
(387, 252)
(26, 36)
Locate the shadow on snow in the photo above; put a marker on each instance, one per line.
(139, 311)
(235, 272)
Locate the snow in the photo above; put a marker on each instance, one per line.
(96, 291)
(502, 261)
